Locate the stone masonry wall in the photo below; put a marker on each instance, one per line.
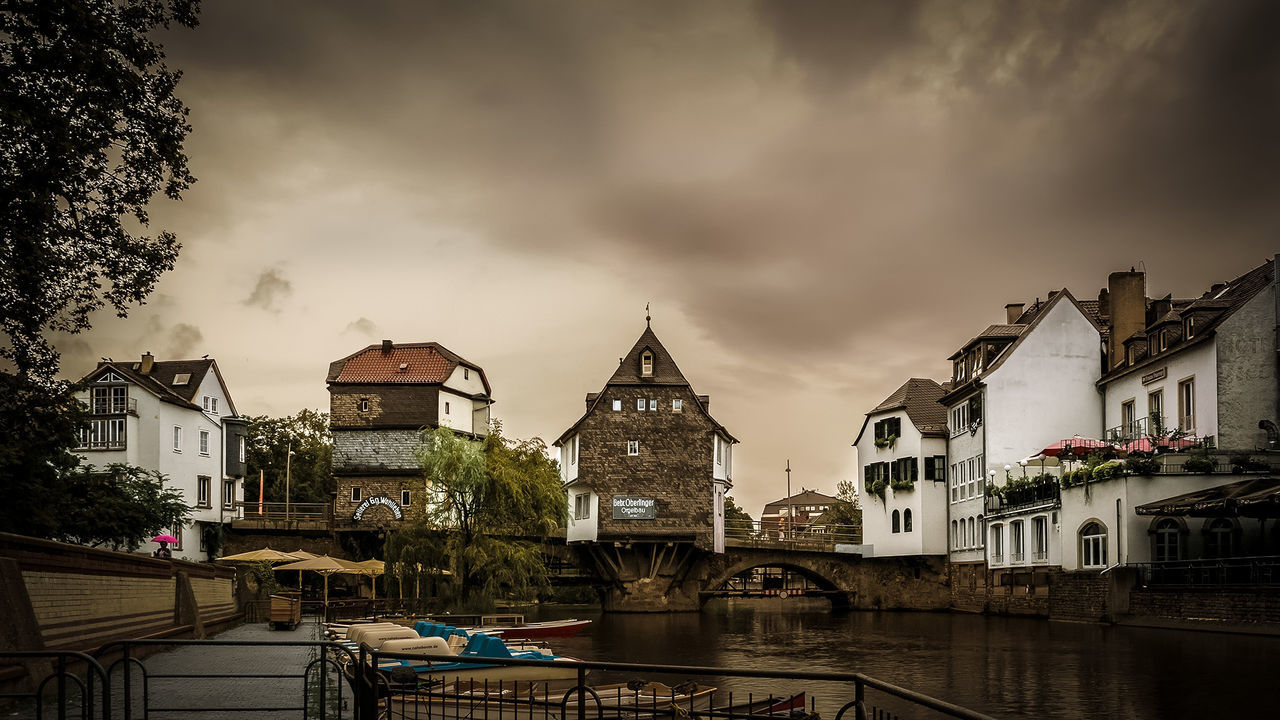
(673, 467)
(374, 450)
(370, 486)
(1079, 596)
(1215, 605)
(1247, 383)
(401, 406)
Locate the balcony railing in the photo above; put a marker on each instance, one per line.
(1016, 557)
(1012, 499)
(283, 516)
(997, 559)
(773, 534)
(1238, 571)
(103, 434)
(1040, 556)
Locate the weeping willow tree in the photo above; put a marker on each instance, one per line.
(490, 503)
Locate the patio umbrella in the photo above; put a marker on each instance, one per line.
(372, 568)
(266, 555)
(303, 554)
(324, 565)
(164, 538)
(1077, 446)
(1145, 445)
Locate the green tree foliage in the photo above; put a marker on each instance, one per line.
(847, 510)
(311, 470)
(38, 428)
(492, 501)
(121, 506)
(90, 131)
(735, 518)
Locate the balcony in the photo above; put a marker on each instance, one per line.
(114, 406)
(282, 516)
(1040, 556)
(1015, 557)
(1012, 498)
(103, 434)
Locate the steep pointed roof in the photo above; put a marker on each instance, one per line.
(665, 371)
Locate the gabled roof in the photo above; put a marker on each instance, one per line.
(628, 373)
(919, 397)
(804, 497)
(1043, 311)
(427, 363)
(161, 381)
(1211, 310)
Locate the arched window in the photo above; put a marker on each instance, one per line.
(646, 364)
(973, 533)
(981, 535)
(1219, 538)
(895, 521)
(1093, 546)
(1166, 535)
(906, 520)
(955, 534)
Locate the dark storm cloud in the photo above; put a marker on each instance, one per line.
(184, 338)
(271, 289)
(800, 177)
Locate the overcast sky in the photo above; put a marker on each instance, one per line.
(820, 200)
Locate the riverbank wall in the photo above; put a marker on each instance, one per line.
(57, 596)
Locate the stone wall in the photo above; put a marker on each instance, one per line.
(1247, 380)
(673, 466)
(403, 406)
(969, 585)
(1212, 605)
(375, 485)
(357, 451)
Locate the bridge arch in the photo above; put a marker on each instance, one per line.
(814, 570)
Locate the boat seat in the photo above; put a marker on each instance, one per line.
(482, 645)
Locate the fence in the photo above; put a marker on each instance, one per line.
(1221, 572)
(822, 538)
(333, 681)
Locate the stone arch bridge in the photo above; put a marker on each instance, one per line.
(673, 577)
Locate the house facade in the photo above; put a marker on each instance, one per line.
(801, 512)
(175, 417)
(647, 462)
(902, 456)
(380, 400)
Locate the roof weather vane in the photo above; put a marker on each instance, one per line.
(646, 315)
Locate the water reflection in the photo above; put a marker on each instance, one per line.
(1008, 667)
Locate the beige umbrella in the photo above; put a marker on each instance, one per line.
(303, 555)
(324, 565)
(264, 555)
(372, 568)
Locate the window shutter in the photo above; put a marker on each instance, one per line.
(915, 469)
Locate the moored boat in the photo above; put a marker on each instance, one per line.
(476, 701)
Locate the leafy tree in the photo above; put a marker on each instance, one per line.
(90, 131)
(735, 518)
(846, 510)
(121, 506)
(38, 427)
(310, 471)
(494, 500)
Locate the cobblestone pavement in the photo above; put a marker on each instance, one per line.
(246, 696)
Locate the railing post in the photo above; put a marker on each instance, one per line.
(582, 693)
(860, 700)
(128, 683)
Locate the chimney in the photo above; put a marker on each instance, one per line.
(1161, 307)
(1012, 311)
(148, 361)
(1104, 303)
(386, 347)
(1127, 297)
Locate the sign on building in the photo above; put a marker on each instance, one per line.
(369, 502)
(626, 507)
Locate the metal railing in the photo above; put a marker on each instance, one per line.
(1045, 492)
(283, 516)
(821, 538)
(1217, 572)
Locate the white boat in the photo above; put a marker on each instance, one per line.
(510, 701)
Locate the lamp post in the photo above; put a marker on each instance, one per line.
(288, 462)
(791, 519)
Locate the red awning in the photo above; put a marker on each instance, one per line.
(1079, 446)
(1255, 497)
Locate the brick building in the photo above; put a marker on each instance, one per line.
(647, 462)
(380, 399)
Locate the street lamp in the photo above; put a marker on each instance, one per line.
(288, 462)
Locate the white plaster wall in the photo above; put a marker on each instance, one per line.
(931, 513)
(1129, 535)
(721, 470)
(465, 380)
(583, 530)
(460, 415)
(926, 501)
(1052, 518)
(1199, 361)
(568, 466)
(961, 447)
(1045, 390)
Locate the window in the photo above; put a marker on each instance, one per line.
(203, 489)
(405, 498)
(1219, 536)
(581, 506)
(889, 427)
(1167, 536)
(109, 400)
(228, 494)
(955, 535)
(935, 467)
(719, 450)
(975, 410)
(653, 405)
(240, 442)
(210, 404)
(466, 374)
(1187, 405)
(906, 520)
(1015, 541)
(633, 447)
(363, 405)
(177, 438)
(573, 450)
(1189, 327)
(973, 532)
(103, 434)
(896, 522)
(204, 442)
(978, 532)
(617, 405)
(677, 406)
(1131, 354)
(446, 407)
(1040, 538)
(997, 544)
(176, 531)
(1155, 413)
(955, 487)
(1093, 546)
(960, 419)
(355, 494)
(1127, 418)
(640, 403)
(646, 364)
(1163, 340)
(182, 378)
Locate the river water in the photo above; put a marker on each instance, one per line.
(1007, 667)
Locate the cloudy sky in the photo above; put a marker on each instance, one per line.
(820, 200)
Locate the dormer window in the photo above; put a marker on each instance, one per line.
(1152, 345)
(1132, 354)
(1189, 327)
(363, 405)
(182, 378)
(646, 364)
(1163, 339)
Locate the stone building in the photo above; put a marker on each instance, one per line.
(380, 399)
(806, 507)
(647, 461)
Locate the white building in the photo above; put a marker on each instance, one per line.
(1016, 388)
(175, 417)
(903, 463)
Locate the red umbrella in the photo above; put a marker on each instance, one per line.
(1144, 445)
(164, 538)
(1073, 446)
